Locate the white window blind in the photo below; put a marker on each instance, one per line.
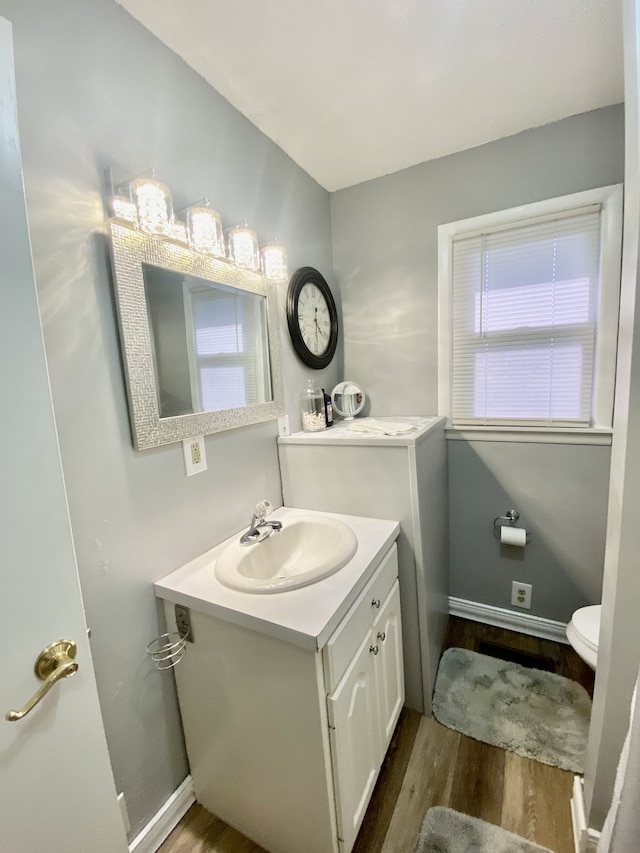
(228, 349)
(524, 322)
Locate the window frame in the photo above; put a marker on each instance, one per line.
(609, 198)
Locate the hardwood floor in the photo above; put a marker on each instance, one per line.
(429, 765)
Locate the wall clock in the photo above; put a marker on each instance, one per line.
(312, 318)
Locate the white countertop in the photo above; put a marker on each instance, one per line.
(307, 616)
(340, 433)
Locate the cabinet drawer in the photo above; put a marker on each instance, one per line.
(345, 640)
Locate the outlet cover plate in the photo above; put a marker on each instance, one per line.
(195, 458)
(521, 595)
(283, 426)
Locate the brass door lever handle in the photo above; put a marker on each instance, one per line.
(55, 662)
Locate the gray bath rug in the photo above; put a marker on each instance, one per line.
(537, 714)
(447, 831)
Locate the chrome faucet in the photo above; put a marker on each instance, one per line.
(259, 527)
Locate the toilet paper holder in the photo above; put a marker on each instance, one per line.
(509, 519)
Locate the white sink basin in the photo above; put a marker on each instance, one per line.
(306, 550)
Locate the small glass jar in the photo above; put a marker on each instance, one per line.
(312, 410)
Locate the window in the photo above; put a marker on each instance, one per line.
(228, 368)
(529, 304)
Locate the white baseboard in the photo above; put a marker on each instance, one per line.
(165, 819)
(536, 626)
(585, 839)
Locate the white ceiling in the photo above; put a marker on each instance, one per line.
(355, 89)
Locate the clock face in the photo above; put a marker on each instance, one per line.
(313, 319)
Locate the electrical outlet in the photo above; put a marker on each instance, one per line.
(521, 594)
(195, 459)
(183, 622)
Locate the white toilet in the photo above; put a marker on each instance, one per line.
(583, 632)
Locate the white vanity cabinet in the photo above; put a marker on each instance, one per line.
(285, 743)
(364, 706)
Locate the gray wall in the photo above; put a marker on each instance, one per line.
(95, 89)
(560, 491)
(386, 264)
(385, 242)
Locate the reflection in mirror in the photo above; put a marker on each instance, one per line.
(200, 340)
(348, 400)
(210, 345)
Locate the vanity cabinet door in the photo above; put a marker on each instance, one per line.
(355, 741)
(387, 636)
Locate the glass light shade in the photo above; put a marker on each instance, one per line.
(124, 208)
(204, 227)
(274, 261)
(177, 231)
(243, 247)
(155, 206)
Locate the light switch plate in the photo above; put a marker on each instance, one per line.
(195, 458)
(283, 426)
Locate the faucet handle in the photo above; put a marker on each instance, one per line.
(262, 510)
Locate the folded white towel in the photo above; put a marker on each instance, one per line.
(382, 427)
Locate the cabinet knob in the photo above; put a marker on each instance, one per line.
(373, 649)
(375, 602)
(381, 636)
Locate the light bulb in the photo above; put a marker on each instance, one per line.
(243, 247)
(274, 261)
(204, 227)
(177, 231)
(125, 209)
(155, 207)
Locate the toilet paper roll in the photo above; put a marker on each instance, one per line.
(513, 536)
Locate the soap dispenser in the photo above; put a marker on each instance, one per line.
(312, 409)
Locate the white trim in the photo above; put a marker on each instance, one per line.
(525, 623)
(523, 435)
(610, 198)
(585, 839)
(165, 819)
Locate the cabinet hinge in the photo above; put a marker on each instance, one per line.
(333, 728)
(341, 840)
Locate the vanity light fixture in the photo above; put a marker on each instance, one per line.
(243, 247)
(204, 229)
(145, 204)
(125, 209)
(120, 202)
(155, 205)
(177, 232)
(274, 261)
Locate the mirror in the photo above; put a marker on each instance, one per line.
(199, 337)
(348, 400)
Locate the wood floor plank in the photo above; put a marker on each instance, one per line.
(478, 785)
(198, 832)
(427, 782)
(535, 802)
(234, 842)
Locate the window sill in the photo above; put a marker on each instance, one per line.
(533, 435)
